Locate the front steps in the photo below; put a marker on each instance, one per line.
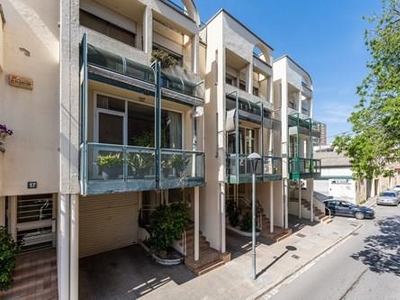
(319, 215)
(278, 233)
(209, 258)
(35, 276)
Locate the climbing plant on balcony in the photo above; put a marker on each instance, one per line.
(164, 57)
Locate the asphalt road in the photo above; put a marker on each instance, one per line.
(364, 266)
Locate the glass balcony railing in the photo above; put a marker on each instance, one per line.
(239, 168)
(118, 168)
(181, 168)
(301, 168)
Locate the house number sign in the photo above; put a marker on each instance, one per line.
(32, 184)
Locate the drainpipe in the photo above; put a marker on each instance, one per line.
(196, 223)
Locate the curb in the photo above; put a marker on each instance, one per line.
(305, 264)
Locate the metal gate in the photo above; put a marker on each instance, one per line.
(35, 228)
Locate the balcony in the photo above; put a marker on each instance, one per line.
(303, 168)
(179, 84)
(230, 89)
(238, 169)
(109, 168)
(302, 124)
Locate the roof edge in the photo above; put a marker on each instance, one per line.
(222, 10)
(296, 63)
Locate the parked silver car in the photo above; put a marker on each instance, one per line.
(396, 187)
(390, 197)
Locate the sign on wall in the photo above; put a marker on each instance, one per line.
(20, 82)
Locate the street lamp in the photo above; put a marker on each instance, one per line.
(254, 159)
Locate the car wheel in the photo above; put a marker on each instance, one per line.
(359, 215)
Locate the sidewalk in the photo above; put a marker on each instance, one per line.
(275, 263)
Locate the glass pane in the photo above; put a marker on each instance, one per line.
(140, 125)
(110, 103)
(111, 129)
(171, 130)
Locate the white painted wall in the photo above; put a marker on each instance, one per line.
(31, 44)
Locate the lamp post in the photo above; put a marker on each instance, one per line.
(254, 159)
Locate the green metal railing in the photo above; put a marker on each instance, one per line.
(300, 167)
(239, 168)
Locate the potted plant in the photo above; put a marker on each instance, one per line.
(110, 165)
(164, 57)
(179, 162)
(167, 224)
(8, 252)
(140, 163)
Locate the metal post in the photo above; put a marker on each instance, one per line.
(254, 158)
(253, 203)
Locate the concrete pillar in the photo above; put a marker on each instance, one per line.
(148, 30)
(74, 247)
(299, 182)
(271, 207)
(68, 246)
(63, 257)
(284, 149)
(310, 187)
(195, 53)
(249, 78)
(2, 211)
(12, 217)
(196, 223)
(223, 217)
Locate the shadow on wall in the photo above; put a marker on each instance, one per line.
(382, 252)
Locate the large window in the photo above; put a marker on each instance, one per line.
(141, 127)
(140, 124)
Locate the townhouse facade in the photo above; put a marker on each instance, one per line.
(118, 107)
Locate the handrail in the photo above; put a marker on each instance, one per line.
(326, 208)
(248, 204)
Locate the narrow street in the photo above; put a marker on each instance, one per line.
(364, 266)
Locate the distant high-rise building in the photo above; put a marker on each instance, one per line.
(322, 140)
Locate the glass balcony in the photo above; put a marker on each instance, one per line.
(303, 168)
(239, 168)
(181, 168)
(117, 168)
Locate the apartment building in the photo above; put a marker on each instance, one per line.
(240, 117)
(293, 94)
(120, 106)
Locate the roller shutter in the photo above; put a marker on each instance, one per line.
(107, 222)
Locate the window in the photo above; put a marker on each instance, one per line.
(242, 85)
(229, 79)
(141, 122)
(255, 91)
(95, 23)
(141, 127)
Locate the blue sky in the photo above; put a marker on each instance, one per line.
(326, 37)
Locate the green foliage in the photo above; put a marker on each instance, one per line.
(168, 222)
(233, 212)
(8, 252)
(140, 161)
(374, 144)
(164, 57)
(109, 160)
(179, 162)
(247, 222)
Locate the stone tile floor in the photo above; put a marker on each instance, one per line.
(35, 277)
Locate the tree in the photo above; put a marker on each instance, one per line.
(375, 141)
